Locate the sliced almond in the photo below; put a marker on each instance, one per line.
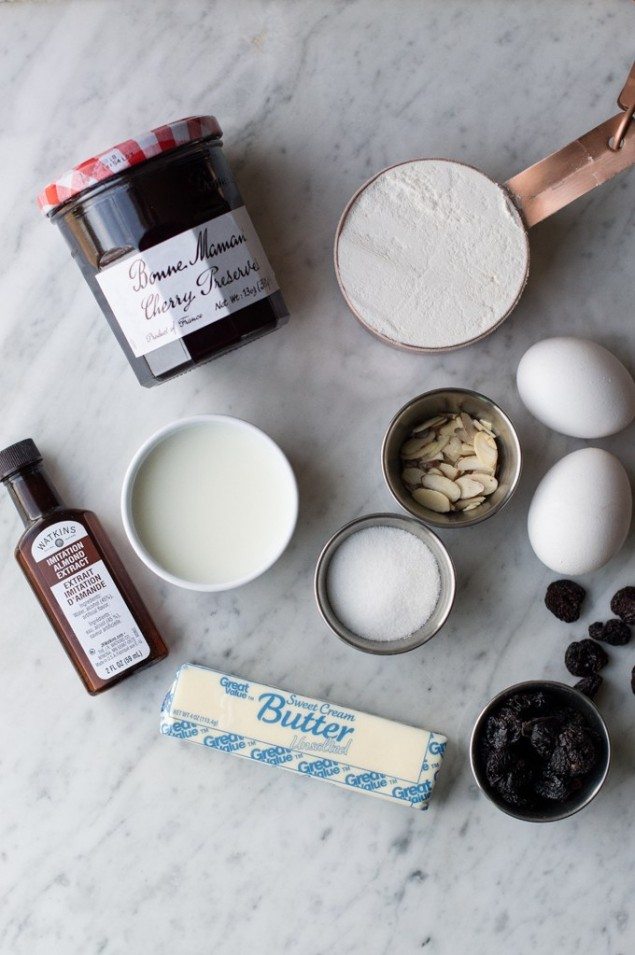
(432, 470)
(412, 477)
(480, 425)
(449, 470)
(431, 423)
(452, 450)
(487, 424)
(426, 435)
(488, 481)
(414, 446)
(468, 504)
(462, 435)
(475, 502)
(469, 487)
(450, 426)
(433, 449)
(468, 426)
(469, 464)
(438, 482)
(467, 450)
(485, 449)
(433, 500)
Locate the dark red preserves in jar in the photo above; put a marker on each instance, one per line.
(161, 234)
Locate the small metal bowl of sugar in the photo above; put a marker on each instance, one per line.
(441, 469)
(385, 583)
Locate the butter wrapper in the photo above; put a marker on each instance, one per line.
(354, 750)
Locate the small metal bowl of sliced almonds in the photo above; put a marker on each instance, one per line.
(451, 457)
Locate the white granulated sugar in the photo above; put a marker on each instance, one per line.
(383, 583)
(432, 253)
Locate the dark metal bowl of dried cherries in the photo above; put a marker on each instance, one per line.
(540, 751)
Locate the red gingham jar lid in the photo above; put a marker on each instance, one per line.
(124, 156)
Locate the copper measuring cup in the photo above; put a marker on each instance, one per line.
(538, 192)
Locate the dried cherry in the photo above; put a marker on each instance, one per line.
(614, 632)
(589, 685)
(585, 657)
(623, 604)
(564, 599)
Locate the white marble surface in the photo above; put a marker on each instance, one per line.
(115, 840)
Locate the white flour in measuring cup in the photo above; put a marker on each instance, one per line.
(431, 254)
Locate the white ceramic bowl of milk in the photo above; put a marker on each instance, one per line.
(209, 502)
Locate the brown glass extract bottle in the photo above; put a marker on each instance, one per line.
(78, 578)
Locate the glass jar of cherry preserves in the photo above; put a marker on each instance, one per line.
(159, 230)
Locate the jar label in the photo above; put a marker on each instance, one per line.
(187, 282)
(89, 598)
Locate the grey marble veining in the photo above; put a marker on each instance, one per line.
(115, 840)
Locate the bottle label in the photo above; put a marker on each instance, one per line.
(187, 282)
(89, 598)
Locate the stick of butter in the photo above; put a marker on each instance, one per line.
(364, 753)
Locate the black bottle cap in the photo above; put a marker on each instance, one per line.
(18, 456)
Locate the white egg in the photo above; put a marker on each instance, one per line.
(576, 387)
(581, 512)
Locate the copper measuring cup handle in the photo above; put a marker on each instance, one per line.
(589, 161)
